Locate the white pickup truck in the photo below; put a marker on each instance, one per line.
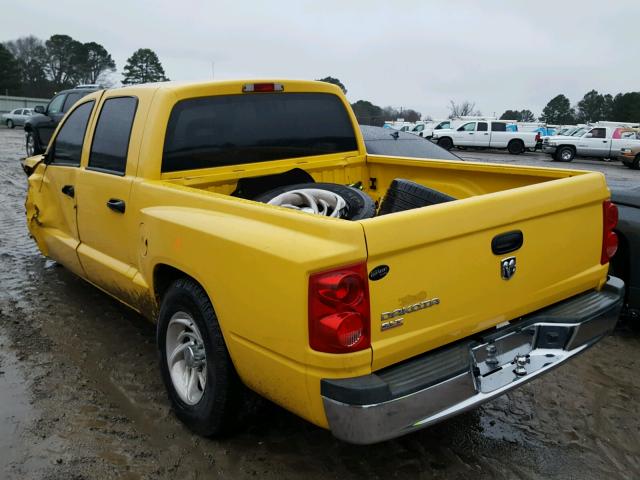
(486, 134)
(598, 141)
(427, 129)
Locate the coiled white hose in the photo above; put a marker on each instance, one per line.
(312, 200)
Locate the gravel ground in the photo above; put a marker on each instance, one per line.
(81, 396)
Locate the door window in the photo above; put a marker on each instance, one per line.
(55, 105)
(598, 133)
(482, 126)
(71, 99)
(111, 138)
(468, 127)
(67, 147)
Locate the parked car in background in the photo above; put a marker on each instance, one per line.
(486, 134)
(39, 128)
(17, 117)
(431, 127)
(625, 264)
(630, 156)
(381, 141)
(597, 141)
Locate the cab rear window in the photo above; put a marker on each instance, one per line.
(237, 129)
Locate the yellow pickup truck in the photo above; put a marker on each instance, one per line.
(368, 320)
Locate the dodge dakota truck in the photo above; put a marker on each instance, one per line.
(486, 134)
(183, 201)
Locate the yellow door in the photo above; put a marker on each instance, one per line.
(107, 227)
(55, 200)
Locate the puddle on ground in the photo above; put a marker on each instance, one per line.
(15, 408)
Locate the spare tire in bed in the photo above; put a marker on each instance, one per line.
(407, 195)
(359, 204)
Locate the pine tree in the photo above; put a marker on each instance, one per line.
(143, 67)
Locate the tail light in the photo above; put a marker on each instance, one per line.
(609, 237)
(339, 320)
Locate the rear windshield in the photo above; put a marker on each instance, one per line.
(236, 129)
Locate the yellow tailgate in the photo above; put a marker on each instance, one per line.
(444, 281)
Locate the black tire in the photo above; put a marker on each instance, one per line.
(565, 154)
(515, 147)
(216, 411)
(406, 195)
(10, 124)
(635, 163)
(445, 143)
(359, 204)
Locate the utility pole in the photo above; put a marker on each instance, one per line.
(213, 70)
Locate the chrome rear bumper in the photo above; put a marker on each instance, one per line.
(425, 390)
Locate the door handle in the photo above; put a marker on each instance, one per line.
(507, 242)
(116, 205)
(605, 141)
(69, 191)
(486, 134)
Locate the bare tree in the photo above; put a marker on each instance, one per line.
(462, 109)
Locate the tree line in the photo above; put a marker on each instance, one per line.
(36, 68)
(594, 107)
(369, 114)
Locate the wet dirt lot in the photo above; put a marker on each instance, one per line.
(81, 395)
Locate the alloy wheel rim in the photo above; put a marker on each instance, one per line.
(186, 358)
(566, 155)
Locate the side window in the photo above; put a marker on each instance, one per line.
(55, 105)
(482, 126)
(419, 128)
(71, 99)
(498, 127)
(468, 127)
(112, 134)
(598, 133)
(67, 147)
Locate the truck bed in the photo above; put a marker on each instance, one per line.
(444, 251)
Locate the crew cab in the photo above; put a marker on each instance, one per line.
(486, 134)
(596, 141)
(372, 328)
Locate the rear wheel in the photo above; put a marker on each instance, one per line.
(515, 147)
(10, 124)
(196, 367)
(445, 143)
(635, 164)
(565, 154)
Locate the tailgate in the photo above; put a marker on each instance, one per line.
(444, 281)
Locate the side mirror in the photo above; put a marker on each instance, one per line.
(39, 109)
(589, 135)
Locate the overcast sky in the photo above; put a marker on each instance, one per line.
(412, 54)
